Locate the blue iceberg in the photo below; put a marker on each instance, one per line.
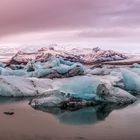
(131, 80)
(53, 68)
(84, 90)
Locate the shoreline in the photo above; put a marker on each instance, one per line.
(129, 61)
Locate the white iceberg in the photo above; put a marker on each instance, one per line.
(19, 86)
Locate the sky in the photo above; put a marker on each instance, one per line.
(106, 23)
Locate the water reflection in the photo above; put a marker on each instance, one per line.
(88, 115)
(5, 100)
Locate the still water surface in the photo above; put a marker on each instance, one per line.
(85, 124)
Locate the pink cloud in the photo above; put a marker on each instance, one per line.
(47, 15)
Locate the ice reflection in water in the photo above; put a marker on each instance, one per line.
(87, 115)
(8, 100)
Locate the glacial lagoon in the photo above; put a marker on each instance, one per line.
(100, 122)
(32, 108)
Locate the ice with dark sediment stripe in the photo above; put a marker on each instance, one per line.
(53, 68)
(84, 88)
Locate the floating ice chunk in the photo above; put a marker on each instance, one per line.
(8, 71)
(53, 68)
(19, 86)
(40, 73)
(2, 65)
(52, 98)
(62, 69)
(58, 72)
(62, 61)
(136, 68)
(136, 65)
(84, 88)
(56, 68)
(131, 80)
(93, 88)
(117, 95)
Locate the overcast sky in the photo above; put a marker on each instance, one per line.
(98, 22)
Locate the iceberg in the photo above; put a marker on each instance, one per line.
(119, 96)
(51, 98)
(53, 68)
(82, 91)
(14, 86)
(7, 71)
(131, 80)
(2, 65)
(136, 65)
(81, 86)
(67, 93)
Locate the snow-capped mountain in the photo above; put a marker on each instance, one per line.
(82, 55)
(42, 55)
(95, 55)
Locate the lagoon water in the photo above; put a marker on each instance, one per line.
(85, 124)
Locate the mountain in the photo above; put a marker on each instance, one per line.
(82, 55)
(96, 55)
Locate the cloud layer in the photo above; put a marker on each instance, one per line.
(17, 16)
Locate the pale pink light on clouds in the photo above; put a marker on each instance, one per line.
(85, 18)
(34, 15)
